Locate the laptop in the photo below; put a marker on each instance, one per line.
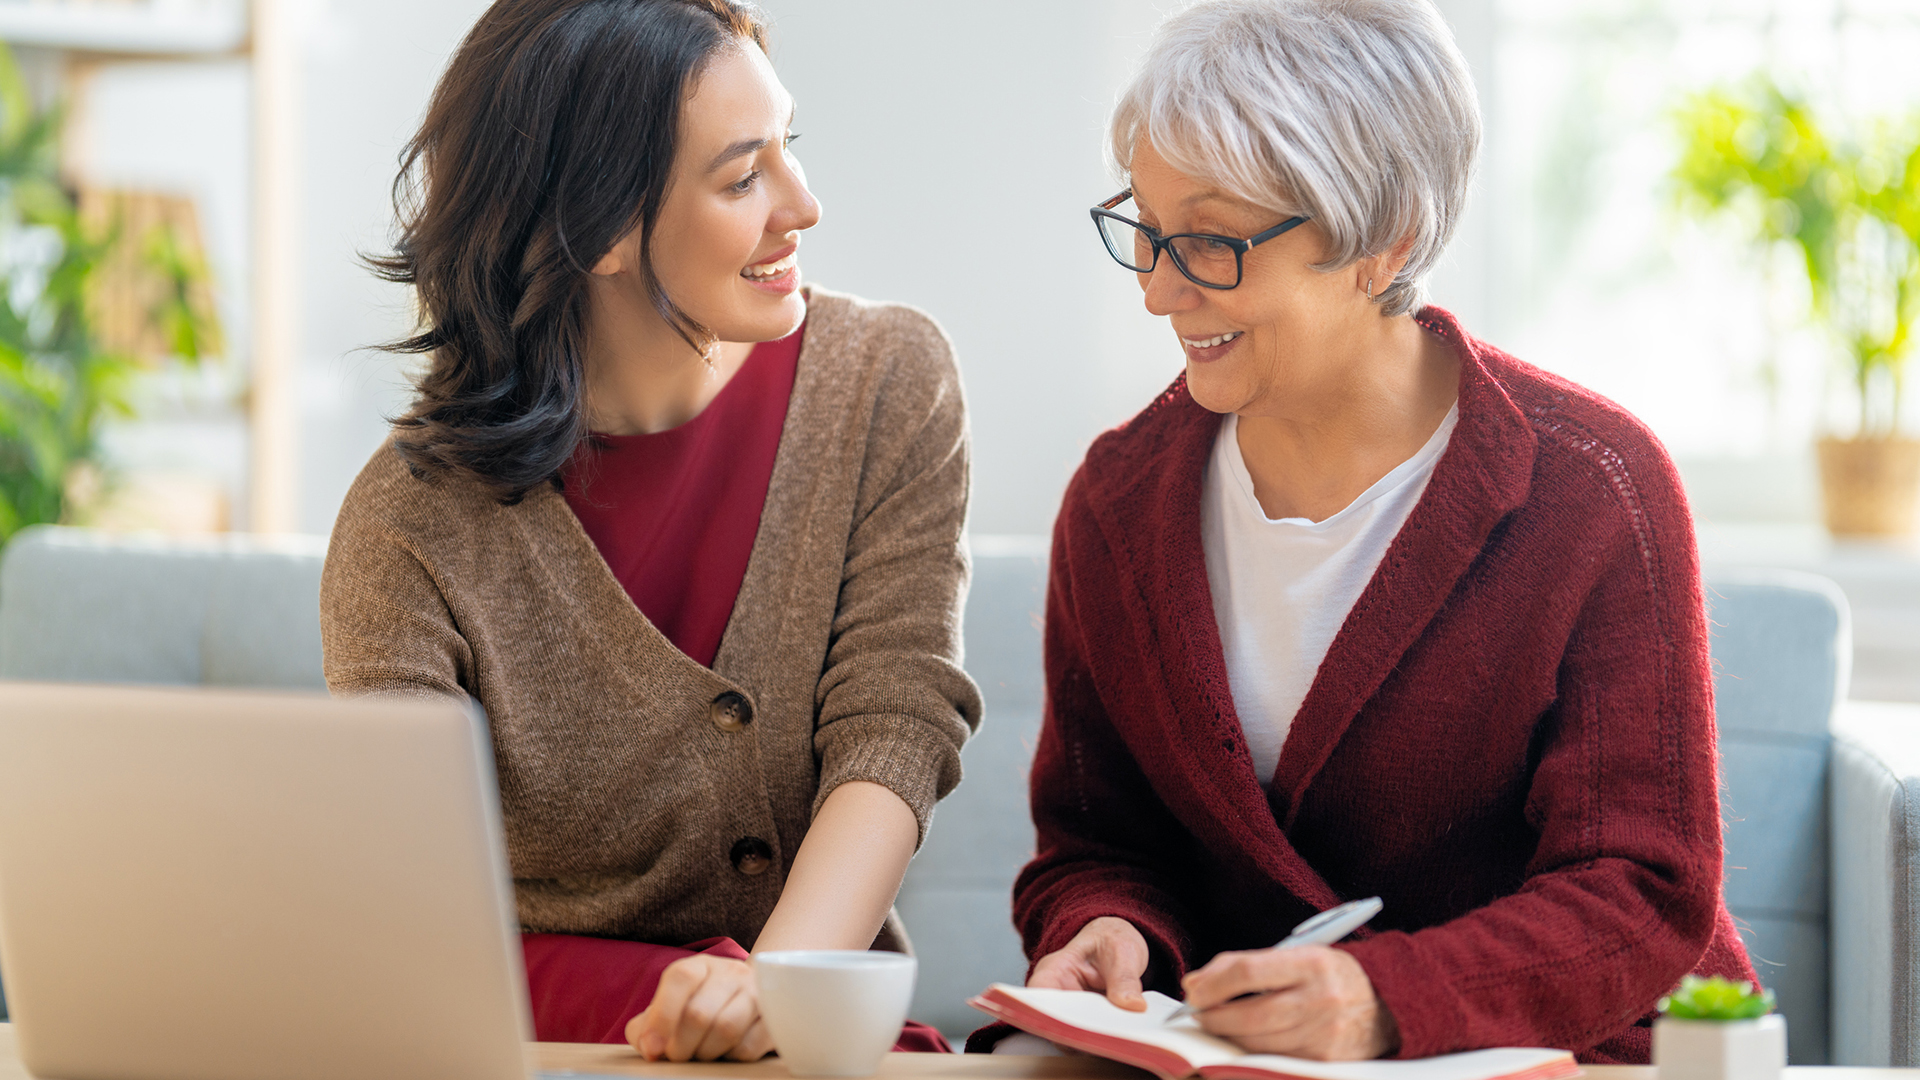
(216, 885)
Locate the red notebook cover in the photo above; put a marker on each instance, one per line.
(1176, 1049)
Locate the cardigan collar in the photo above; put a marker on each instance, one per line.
(1147, 485)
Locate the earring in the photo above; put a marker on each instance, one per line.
(1369, 290)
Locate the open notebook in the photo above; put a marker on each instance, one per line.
(1089, 1022)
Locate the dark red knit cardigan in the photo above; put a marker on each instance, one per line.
(1511, 740)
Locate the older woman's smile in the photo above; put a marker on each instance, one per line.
(1208, 348)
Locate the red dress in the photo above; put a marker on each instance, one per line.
(674, 514)
(1510, 741)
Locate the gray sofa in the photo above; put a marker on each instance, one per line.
(1823, 809)
(1876, 886)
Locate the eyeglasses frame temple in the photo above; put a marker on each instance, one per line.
(1286, 226)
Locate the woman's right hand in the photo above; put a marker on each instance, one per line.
(705, 1008)
(1107, 955)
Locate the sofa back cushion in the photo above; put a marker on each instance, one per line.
(83, 606)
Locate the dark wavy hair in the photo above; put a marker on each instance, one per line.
(550, 136)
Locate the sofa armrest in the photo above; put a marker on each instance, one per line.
(1875, 908)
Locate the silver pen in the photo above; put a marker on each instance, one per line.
(1323, 929)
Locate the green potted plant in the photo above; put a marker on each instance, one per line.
(1756, 154)
(1718, 1029)
(58, 382)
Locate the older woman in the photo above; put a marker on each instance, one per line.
(1361, 605)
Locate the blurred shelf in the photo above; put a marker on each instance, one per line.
(262, 31)
(155, 27)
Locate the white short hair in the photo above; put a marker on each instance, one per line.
(1360, 114)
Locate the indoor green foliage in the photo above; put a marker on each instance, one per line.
(56, 383)
(1716, 999)
(1849, 204)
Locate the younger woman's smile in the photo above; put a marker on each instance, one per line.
(780, 274)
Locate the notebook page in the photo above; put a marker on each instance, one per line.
(1507, 1063)
(1094, 1014)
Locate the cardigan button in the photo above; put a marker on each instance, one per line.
(730, 711)
(751, 856)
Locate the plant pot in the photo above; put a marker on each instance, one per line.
(1871, 487)
(1720, 1049)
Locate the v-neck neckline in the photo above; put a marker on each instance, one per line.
(776, 519)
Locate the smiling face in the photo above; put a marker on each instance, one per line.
(726, 240)
(1287, 328)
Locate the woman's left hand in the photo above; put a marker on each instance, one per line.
(1314, 1002)
(705, 1008)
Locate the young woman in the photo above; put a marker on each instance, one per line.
(689, 534)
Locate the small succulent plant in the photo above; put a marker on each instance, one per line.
(1716, 999)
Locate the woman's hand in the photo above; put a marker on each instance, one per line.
(1108, 955)
(1314, 1002)
(706, 1008)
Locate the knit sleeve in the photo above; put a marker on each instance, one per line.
(1106, 844)
(1623, 887)
(384, 626)
(894, 706)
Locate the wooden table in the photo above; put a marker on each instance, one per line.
(602, 1060)
(621, 1061)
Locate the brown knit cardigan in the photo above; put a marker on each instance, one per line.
(646, 796)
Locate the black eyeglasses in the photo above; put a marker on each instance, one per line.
(1213, 262)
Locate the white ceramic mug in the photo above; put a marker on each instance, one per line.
(834, 1012)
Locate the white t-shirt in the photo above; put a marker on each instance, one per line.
(1282, 589)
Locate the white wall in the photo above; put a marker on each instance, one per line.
(368, 67)
(956, 149)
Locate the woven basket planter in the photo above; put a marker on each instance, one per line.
(1871, 487)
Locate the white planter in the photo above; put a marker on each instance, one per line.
(1720, 1049)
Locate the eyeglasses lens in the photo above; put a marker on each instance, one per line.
(1204, 260)
(1207, 261)
(1127, 244)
